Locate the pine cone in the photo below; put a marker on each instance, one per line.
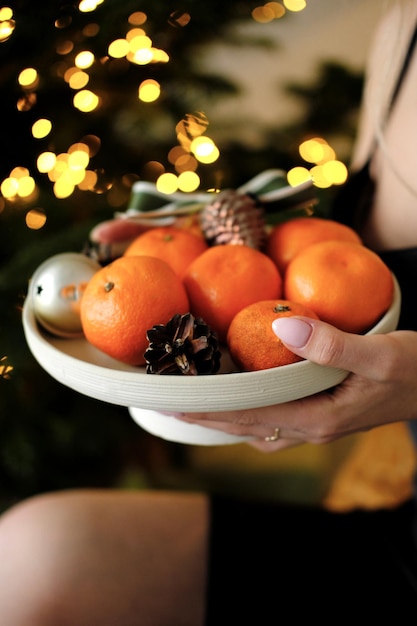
(185, 345)
(234, 218)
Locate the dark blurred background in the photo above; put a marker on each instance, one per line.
(51, 437)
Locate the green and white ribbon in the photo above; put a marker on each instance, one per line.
(270, 188)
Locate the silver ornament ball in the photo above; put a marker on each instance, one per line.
(55, 291)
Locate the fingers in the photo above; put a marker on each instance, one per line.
(116, 231)
(326, 345)
(230, 422)
(260, 424)
(269, 447)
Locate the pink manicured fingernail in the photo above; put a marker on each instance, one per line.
(292, 331)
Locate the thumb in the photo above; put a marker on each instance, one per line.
(324, 344)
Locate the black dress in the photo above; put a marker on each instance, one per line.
(271, 563)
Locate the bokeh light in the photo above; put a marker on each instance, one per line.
(327, 169)
(335, 171)
(204, 149)
(86, 101)
(319, 177)
(167, 183)
(7, 23)
(137, 18)
(84, 59)
(35, 219)
(28, 78)
(118, 48)
(46, 162)
(86, 6)
(268, 12)
(41, 128)
(6, 368)
(188, 181)
(298, 175)
(72, 170)
(77, 79)
(295, 5)
(149, 90)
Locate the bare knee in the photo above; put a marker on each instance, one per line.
(103, 558)
(29, 562)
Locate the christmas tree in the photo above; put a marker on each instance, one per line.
(121, 86)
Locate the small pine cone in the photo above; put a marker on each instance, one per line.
(234, 218)
(185, 345)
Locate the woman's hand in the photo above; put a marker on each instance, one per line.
(380, 388)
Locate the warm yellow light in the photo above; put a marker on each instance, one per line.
(316, 150)
(9, 187)
(6, 13)
(26, 186)
(328, 153)
(319, 177)
(46, 162)
(28, 78)
(69, 72)
(80, 146)
(19, 172)
(84, 59)
(167, 183)
(63, 187)
(5, 368)
(75, 176)
(89, 181)
(41, 128)
(35, 219)
(311, 150)
(78, 160)
(149, 90)
(86, 6)
(118, 48)
(138, 42)
(7, 23)
(159, 56)
(298, 175)
(204, 149)
(202, 145)
(135, 32)
(295, 5)
(141, 57)
(78, 79)
(211, 157)
(336, 172)
(86, 101)
(59, 169)
(188, 181)
(68, 170)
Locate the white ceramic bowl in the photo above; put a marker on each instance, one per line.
(78, 365)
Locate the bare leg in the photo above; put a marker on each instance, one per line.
(107, 558)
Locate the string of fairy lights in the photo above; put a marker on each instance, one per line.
(70, 170)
